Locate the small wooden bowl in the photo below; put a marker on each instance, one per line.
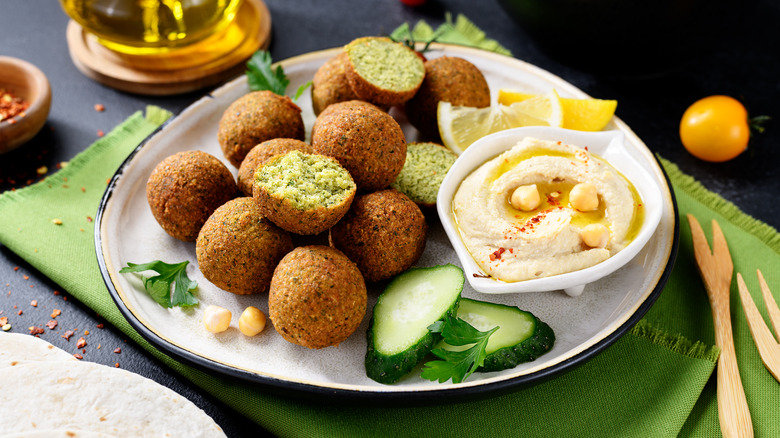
(28, 82)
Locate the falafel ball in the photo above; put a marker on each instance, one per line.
(317, 297)
(367, 141)
(238, 249)
(447, 79)
(263, 152)
(330, 84)
(303, 193)
(383, 232)
(382, 71)
(185, 188)
(255, 118)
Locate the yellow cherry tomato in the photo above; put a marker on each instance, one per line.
(715, 128)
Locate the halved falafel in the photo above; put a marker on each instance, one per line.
(382, 71)
(317, 297)
(383, 232)
(238, 249)
(263, 152)
(426, 166)
(447, 79)
(367, 141)
(303, 193)
(185, 188)
(254, 118)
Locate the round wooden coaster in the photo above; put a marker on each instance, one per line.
(202, 64)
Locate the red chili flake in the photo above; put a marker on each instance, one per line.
(52, 324)
(86, 332)
(99, 107)
(34, 303)
(19, 312)
(116, 365)
(81, 343)
(11, 106)
(99, 346)
(497, 254)
(89, 218)
(100, 133)
(55, 313)
(56, 292)
(16, 268)
(83, 189)
(100, 325)
(26, 277)
(68, 334)
(78, 356)
(3, 320)
(117, 350)
(36, 330)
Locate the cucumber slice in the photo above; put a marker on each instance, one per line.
(398, 335)
(522, 337)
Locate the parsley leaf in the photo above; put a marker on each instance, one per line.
(159, 286)
(457, 365)
(261, 76)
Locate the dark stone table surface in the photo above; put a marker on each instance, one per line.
(743, 64)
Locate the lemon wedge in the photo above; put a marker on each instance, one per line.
(579, 114)
(460, 126)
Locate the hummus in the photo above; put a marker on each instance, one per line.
(511, 244)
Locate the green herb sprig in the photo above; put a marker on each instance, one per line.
(457, 365)
(159, 286)
(261, 76)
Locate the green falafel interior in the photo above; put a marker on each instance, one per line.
(424, 170)
(386, 64)
(308, 181)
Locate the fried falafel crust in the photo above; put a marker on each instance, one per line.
(383, 232)
(367, 141)
(184, 189)
(238, 249)
(254, 118)
(317, 297)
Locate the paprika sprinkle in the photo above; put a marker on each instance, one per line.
(11, 105)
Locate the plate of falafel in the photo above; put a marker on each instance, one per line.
(307, 210)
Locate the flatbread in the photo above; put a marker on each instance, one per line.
(58, 433)
(17, 347)
(48, 390)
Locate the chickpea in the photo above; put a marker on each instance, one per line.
(525, 198)
(252, 321)
(584, 197)
(216, 319)
(595, 235)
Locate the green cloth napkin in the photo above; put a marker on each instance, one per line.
(656, 381)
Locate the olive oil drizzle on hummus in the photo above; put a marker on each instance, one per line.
(518, 233)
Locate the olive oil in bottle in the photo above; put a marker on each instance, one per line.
(151, 26)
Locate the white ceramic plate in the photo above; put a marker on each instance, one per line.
(127, 232)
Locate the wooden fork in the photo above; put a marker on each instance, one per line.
(716, 268)
(767, 345)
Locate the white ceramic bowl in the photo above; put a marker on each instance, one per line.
(606, 144)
